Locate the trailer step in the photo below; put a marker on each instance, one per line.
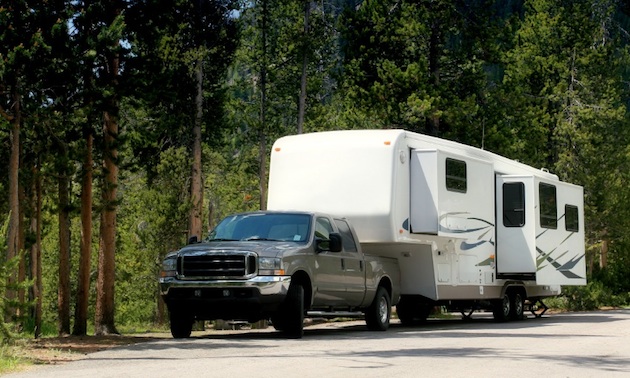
(537, 308)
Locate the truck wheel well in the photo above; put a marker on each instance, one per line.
(302, 278)
(387, 284)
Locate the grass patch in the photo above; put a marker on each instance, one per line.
(12, 358)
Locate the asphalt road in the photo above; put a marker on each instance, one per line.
(592, 344)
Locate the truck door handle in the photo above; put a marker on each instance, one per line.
(343, 264)
(361, 265)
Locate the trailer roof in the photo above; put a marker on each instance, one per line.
(372, 137)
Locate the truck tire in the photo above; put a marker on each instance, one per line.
(378, 314)
(181, 324)
(292, 320)
(278, 321)
(501, 308)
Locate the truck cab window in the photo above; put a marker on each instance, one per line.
(346, 236)
(323, 228)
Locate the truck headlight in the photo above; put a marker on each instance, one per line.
(169, 267)
(270, 266)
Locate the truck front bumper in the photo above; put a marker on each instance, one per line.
(253, 299)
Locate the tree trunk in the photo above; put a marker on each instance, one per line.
(433, 122)
(262, 142)
(83, 286)
(105, 305)
(104, 322)
(21, 277)
(196, 190)
(63, 297)
(36, 256)
(302, 102)
(13, 246)
(603, 257)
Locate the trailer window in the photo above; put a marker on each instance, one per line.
(571, 218)
(514, 204)
(548, 206)
(456, 175)
(346, 236)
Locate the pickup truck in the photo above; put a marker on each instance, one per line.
(280, 266)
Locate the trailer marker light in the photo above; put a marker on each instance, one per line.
(387, 143)
(277, 149)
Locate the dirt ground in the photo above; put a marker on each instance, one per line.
(57, 350)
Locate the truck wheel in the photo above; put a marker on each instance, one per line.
(501, 308)
(181, 325)
(293, 324)
(278, 321)
(378, 314)
(516, 306)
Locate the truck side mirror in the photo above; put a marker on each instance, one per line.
(335, 242)
(193, 239)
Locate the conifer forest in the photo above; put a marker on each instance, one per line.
(127, 126)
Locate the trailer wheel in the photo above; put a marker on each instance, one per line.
(516, 306)
(501, 308)
(412, 311)
(181, 324)
(292, 321)
(405, 313)
(378, 314)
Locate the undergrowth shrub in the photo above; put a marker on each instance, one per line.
(593, 296)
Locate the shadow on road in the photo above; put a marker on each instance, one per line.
(480, 325)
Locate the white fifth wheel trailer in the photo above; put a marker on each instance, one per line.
(471, 229)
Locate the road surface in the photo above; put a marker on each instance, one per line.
(591, 344)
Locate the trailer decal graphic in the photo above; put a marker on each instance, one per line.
(487, 262)
(565, 268)
(486, 227)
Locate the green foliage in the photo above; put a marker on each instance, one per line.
(541, 81)
(10, 304)
(593, 296)
(7, 305)
(167, 39)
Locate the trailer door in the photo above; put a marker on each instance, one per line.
(516, 227)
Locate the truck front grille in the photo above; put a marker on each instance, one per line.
(217, 265)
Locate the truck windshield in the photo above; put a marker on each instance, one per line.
(263, 226)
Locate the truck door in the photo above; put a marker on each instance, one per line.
(352, 265)
(329, 274)
(516, 226)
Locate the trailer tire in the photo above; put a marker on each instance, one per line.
(501, 308)
(378, 314)
(517, 305)
(181, 324)
(412, 311)
(292, 321)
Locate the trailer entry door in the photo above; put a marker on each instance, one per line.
(516, 227)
